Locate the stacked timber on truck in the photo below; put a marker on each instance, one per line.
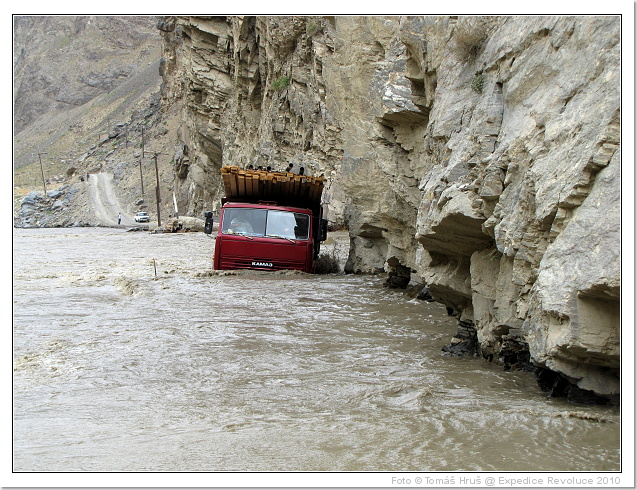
(281, 188)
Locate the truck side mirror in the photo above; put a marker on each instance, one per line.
(209, 222)
(323, 231)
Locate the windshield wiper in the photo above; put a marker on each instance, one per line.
(230, 232)
(279, 236)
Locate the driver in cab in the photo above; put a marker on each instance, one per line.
(240, 224)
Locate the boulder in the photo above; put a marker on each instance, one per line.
(55, 194)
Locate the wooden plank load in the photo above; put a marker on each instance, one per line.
(282, 188)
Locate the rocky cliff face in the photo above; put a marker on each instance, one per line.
(480, 155)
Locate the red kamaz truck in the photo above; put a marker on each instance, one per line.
(269, 221)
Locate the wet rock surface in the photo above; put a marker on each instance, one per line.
(464, 342)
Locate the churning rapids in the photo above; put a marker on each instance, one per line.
(116, 369)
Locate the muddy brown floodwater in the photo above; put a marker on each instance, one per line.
(118, 370)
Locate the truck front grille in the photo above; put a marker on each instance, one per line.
(261, 264)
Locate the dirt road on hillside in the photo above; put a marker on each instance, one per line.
(105, 203)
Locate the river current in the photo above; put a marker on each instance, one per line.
(130, 355)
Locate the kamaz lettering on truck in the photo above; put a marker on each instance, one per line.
(269, 221)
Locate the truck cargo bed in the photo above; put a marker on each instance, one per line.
(281, 188)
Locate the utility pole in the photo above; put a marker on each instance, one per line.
(141, 176)
(143, 142)
(42, 170)
(157, 193)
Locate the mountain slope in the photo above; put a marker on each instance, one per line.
(73, 78)
(86, 93)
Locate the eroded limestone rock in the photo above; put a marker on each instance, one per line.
(481, 154)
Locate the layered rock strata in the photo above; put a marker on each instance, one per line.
(479, 155)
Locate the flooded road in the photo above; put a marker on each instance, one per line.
(116, 369)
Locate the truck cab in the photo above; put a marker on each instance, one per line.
(259, 233)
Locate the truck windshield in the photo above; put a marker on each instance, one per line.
(266, 223)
